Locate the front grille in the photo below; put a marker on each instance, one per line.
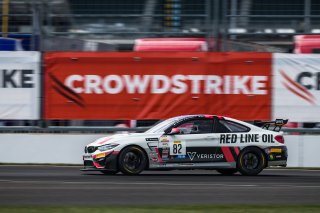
(92, 149)
(88, 163)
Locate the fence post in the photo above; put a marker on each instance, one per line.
(216, 24)
(5, 18)
(36, 26)
(307, 11)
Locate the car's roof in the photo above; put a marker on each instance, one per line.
(198, 115)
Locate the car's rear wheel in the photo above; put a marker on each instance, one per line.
(132, 160)
(227, 171)
(109, 172)
(251, 161)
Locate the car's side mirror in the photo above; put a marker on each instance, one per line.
(174, 131)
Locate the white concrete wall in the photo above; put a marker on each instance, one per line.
(44, 148)
(304, 150)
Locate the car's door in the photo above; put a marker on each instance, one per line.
(195, 143)
(230, 134)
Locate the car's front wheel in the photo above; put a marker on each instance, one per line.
(132, 160)
(251, 161)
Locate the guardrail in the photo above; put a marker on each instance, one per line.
(110, 129)
(301, 130)
(65, 129)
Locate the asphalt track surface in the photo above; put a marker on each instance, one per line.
(60, 185)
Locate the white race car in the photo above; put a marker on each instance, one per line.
(191, 142)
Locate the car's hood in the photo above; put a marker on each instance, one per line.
(123, 138)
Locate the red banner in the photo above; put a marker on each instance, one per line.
(156, 85)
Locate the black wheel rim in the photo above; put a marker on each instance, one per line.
(132, 161)
(250, 161)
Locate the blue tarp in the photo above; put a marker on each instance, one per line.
(10, 44)
(25, 40)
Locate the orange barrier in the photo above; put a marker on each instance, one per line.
(156, 85)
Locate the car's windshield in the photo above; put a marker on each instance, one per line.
(160, 127)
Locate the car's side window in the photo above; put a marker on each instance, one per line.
(199, 126)
(225, 126)
(221, 128)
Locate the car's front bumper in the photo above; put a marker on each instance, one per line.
(109, 162)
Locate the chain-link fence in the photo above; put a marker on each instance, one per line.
(98, 25)
(113, 25)
(271, 22)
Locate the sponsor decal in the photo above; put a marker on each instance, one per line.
(153, 156)
(152, 139)
(16, 78)
(180, 157)
(162, 84)
(305, 81)
(267, 138)
(100, 155)
(275, 150)
(165, 154)
(164, 139)
(158, 154)
(193, 155)
(246, 138)
(66, 92)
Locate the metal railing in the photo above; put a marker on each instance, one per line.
(74, 129)
(112, 129)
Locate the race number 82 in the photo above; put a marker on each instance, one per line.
(178, 148)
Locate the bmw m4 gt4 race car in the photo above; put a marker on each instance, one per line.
(191, 142)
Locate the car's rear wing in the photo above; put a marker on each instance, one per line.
(275, 125)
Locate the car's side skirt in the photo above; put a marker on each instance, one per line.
(210, 165)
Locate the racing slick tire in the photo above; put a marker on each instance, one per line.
(251, 161)
(227, 171)
(132, 160)
(109, 172)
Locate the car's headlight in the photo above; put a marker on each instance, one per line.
(107, 147)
